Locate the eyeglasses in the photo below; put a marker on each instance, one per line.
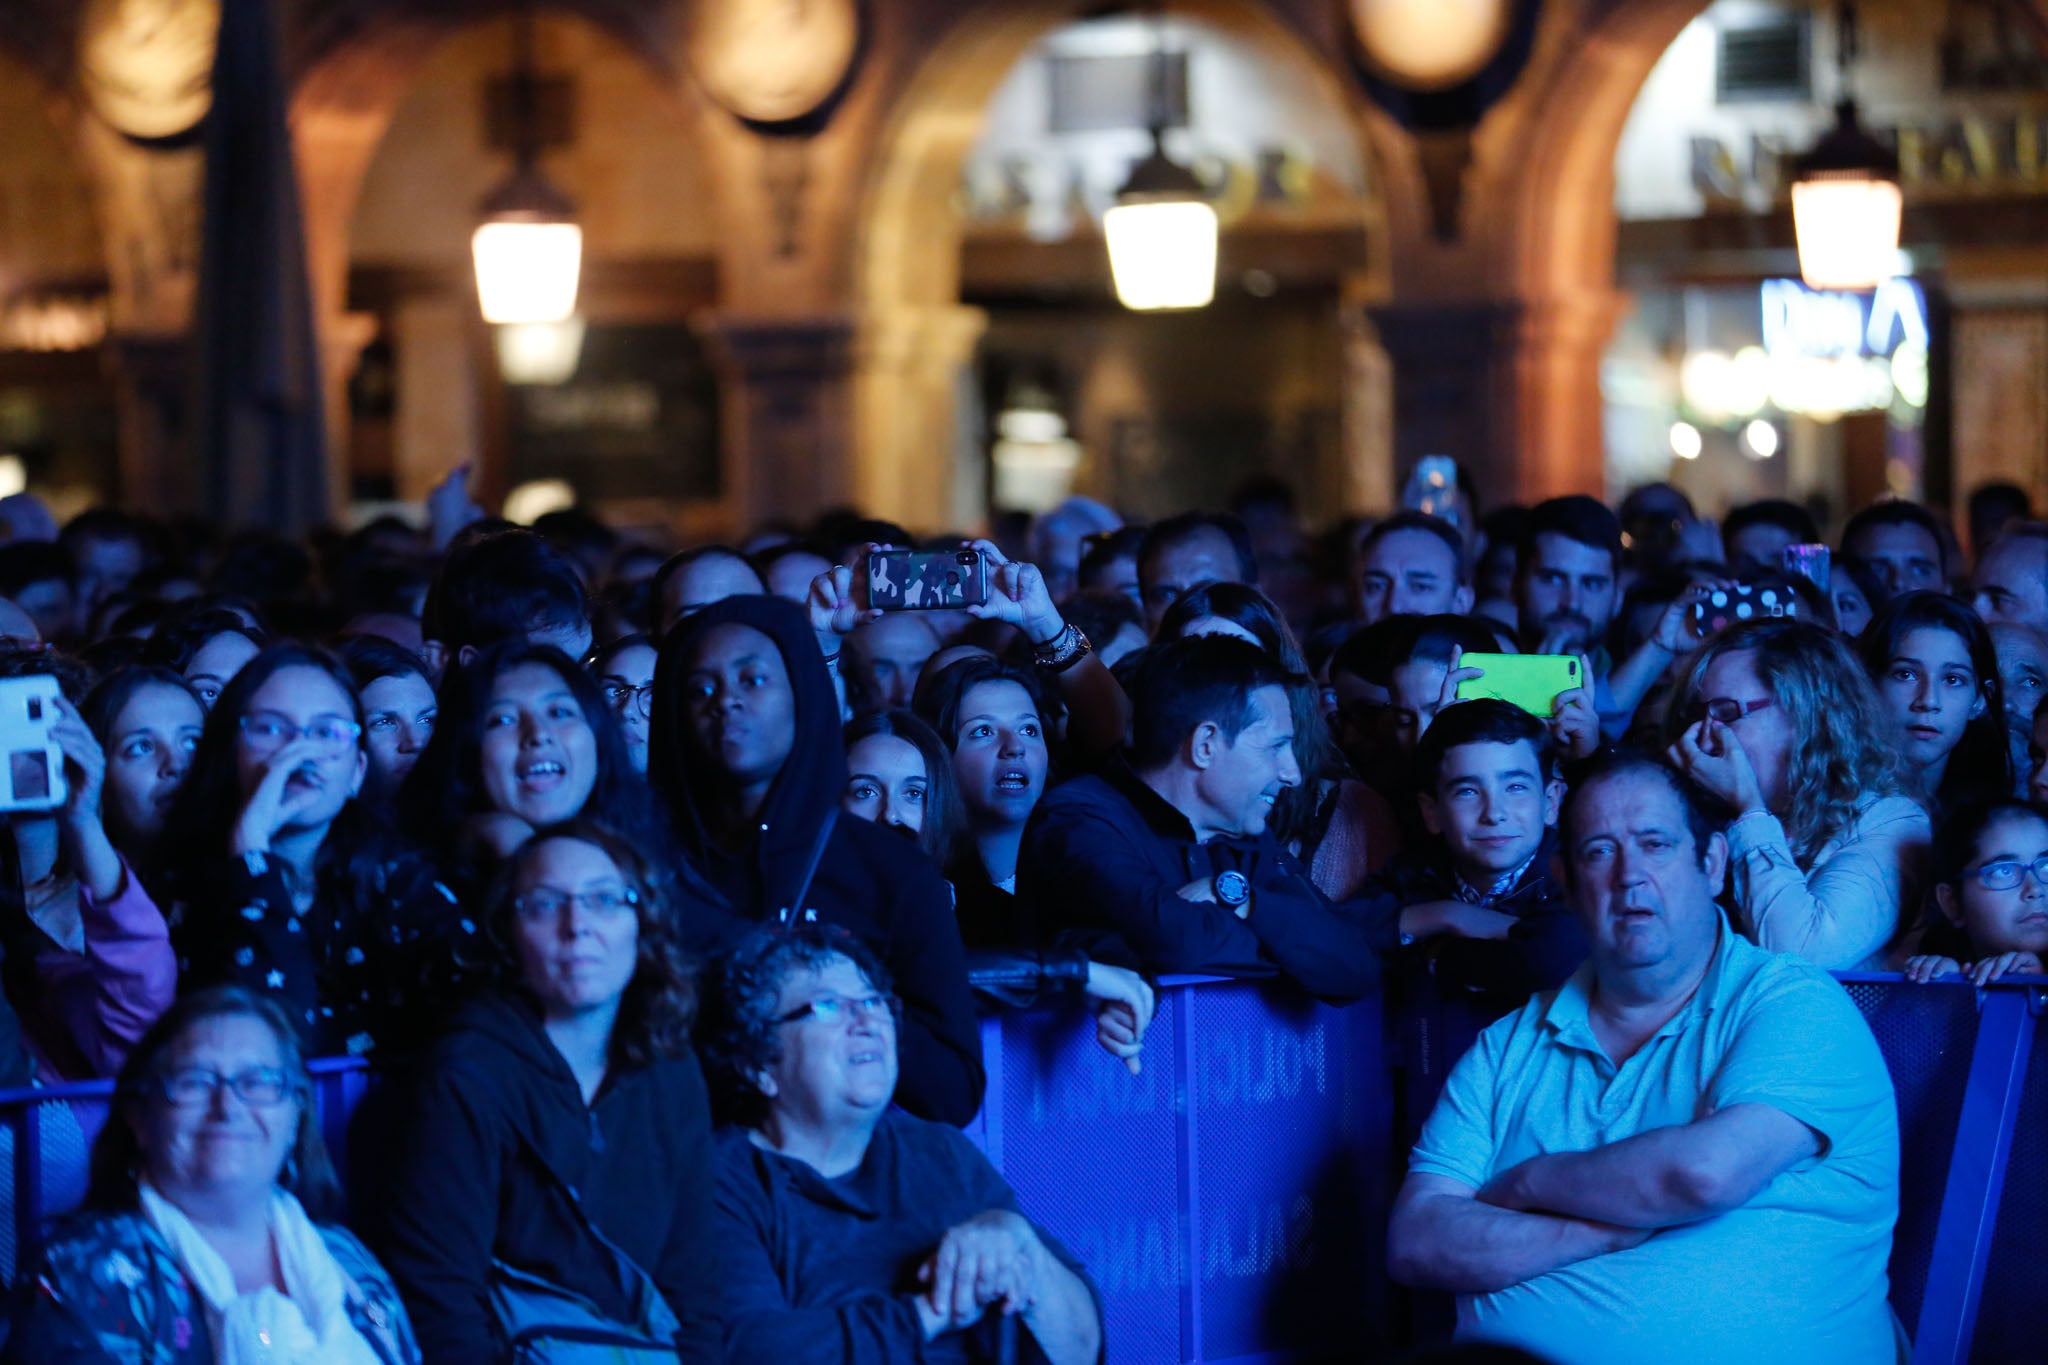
(268, 731)
(1727, 710)
(620, 695)
(831, 1009)
(194, 1086)
(2008, 873)
(547, 904)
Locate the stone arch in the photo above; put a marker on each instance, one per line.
(914, 335)
(351, 77)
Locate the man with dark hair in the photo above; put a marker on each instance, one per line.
(1187, 551)
(687, 583)
(503, 585)
(1165, 863)
(1756, 534)
(36, 576)
(108, 549)
(1567, 577)
(1412, 564)
(1898, 546)
(1109, 562)
(1719, 1113)
(2012, 577)
(1993, 507)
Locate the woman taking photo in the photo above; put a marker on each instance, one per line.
(573, 1073)
(1936, 672)
(290, 885)
(1777, 720)
(88, 964)
(197, 1244)
(746, 748)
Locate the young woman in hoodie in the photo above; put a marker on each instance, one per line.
(573, 1073)
(745, 745)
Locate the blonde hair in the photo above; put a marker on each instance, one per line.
(1841, 753)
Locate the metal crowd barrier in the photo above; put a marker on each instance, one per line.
(1230, 1200)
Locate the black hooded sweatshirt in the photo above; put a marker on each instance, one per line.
(869, 881)
(491, 1099)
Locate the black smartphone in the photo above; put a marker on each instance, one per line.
(927, 580)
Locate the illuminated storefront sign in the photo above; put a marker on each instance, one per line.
(1823, 354)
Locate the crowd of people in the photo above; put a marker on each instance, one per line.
(663, 892)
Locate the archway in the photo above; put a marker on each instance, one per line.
(389, 118)
(57, 431)
(916, 336)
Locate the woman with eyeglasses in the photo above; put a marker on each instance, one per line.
(624, 669)
(562, 1117)
(197, 1243)
(1777, 720)
(850, 1231)
(292, 887)
(399, 709)
(1990, 911)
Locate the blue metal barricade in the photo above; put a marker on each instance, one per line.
(1231, 1200)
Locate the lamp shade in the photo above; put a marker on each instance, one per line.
(528, 252)
(1430, 44)
(1846, 207)
(1162, 237)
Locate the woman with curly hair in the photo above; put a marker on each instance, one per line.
(1342, 830)
(1777, 719)
(574, 1074)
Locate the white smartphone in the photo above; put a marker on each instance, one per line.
(34, 768)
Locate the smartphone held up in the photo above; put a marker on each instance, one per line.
(927, 580)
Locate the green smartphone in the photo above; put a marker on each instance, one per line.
(1531, 681)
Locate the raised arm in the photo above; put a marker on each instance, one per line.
(1443, 1237)
(1666, 1176)
(1846, 908)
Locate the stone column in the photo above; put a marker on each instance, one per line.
(1999, 392)
(915, 463)
(1509, 388)
(437, 423)
(786, 409)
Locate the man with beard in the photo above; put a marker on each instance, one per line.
(1567, 582)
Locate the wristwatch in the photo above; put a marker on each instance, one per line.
(1232, 889)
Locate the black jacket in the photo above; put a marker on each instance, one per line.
(492, 1098)
(870, 881)
(1545, 946)
(1108, 855)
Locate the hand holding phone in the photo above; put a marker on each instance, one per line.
(1533, 682)
(29, 708)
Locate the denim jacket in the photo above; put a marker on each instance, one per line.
(107, 1291)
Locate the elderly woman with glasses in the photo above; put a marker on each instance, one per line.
(559, 1134)
(197, 1242)
(289, 883)
(850, 1231)
(1777, 720)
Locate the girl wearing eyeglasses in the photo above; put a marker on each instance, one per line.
(1777, 720)
(286, 883)
(624, 669)
(1990, 896)
(197, 1243)
(573, 1073)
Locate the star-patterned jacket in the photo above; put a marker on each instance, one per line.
(362, 969)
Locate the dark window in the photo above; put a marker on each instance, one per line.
(1768, 60)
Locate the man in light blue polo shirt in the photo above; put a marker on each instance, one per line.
(1687, 1154)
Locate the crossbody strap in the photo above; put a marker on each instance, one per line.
(793, 913)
